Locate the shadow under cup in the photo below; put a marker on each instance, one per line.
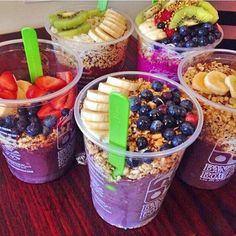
(132, 200)
(36, 153)
(211, 160)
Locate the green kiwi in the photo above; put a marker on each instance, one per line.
(208, 7)
(69, 20)
(81, 29)
(94, 12)
(190, 12)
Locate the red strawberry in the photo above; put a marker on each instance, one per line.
(34, 92)
(49, 83)
(169, 32)
(6, 94)
(165, 15)
(191, 118)
(46, 110)
(58, 102)
(66, 76)
(70, 99)
(8, 81)
(157, 19)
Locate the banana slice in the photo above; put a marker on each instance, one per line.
(215, 82)
(116, 15)
(22, 88)
(115, 34)
(113, 26)
(99, 134)
(96, 125)
(94, 36)
(152, 11)
(122, 83)
(102, 34)
(5, 110)
(156, 34)
(230, 81)
(94, 116)
(97, 96)
(198, 83)
(112, 20)
(107, 88)
(95, 106)
(147, 26)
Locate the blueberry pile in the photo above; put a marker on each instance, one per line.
(194, 36)
(168, 116)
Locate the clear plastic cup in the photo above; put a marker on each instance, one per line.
(131, 202)
(211, 160)
(98, 58)
(35, 154)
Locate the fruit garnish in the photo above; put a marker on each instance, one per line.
(166, 15)
(47, 110)
(8, 81)
(58, 102)
(230, 81)
(169, 32)
(70, 100)
(7, 94)
(198, 83)
(50, 83)
(34, 92)
(65, 75)
(191, 118)
(23, 87)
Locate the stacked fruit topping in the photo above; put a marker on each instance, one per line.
(89, 25)
(188, 23)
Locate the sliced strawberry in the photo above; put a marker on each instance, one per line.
(8, 81)
(157, 19)
(49, 83)
(58, 102)
(169, 32)
(6, 94)
(47, 110)
(66, 76)
(70, 101)
(191, 118)
(34, 92)
(166, 15)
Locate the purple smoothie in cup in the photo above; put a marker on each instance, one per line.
(154, 149)
(37, 127)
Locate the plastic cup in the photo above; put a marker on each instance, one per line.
(98, 58)
(211, 160)
(46, 155)
(131, 202)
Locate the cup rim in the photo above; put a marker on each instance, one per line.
(54, 94)
(118, 151)
(197, 95)
(84, 7)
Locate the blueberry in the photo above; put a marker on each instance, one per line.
(217, 34)
(170, 102)
(162, 109)
(141, 143)
(187, 38)
(174, 110)
(15, 131)
(208, 26)
(167, 96)
(65, 111)
(165, 41)
(166, 146)
(190, 44)
(154, 114)
(46, 131)
(158, 100)
(22, 111)
(183, 112)
(147, 160)
(157, 86)
(202, 32)
(146, 94)
(211, 38)
(133, 162)
(33, 129)
(179, 44)
(32, 111)
(134, 103)
(144, 110)
(176, 37)
(21, 125)
(156, 126)
(168, 134)
(169, 121)
(175, 92)
(176, 100)
(195, 41)
(34, 119)
(178, 139)
(187, 128)
(187, 104)
(49, 121)
(184, 30)
(10, 121)
(202, 41)
(161, 25)
(2, 122)
(180, 120)
(143, 123)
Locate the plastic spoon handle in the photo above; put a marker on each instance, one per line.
(102, 5)
(31, 47)
(118, 129)
(154, 1)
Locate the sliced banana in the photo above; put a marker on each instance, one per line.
(95, 106)
(94, 36)
(147, 26)
(152, 11)
(109, 31)
(96, 125)
(23, 86)
(6, 110)
(107, 88)
(102, 34)
(94, 116)
(113, 27)
(215, 82)
(97, 96)
(156, 34)
(99, 134)
(109, 20)
(116, 15)
(123, 83)
(230, 81)
(198, 83)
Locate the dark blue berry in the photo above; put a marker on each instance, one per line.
(169, 121)
(176, 37)
(134, 103)
(154, 114)
(146, 94)
(166, 146)
(202, 32)
(170, 102)
(202, 41)
(167, 96)
(174, 110)
(179, 121)
(133, 162)
(49, 121)
(187, 38)
(187, 128)
(208, 26)
(10, 121)
(187, 104)
(21, 125)
(168, 134)
(217, 34)
(165, 41)
(34, 119)
(178, 139)
(176, 100)
(65, 111)
(158, 100)
(33, 129)
(15, 131)
(183, 112)
(157, 86)
(2, 122)
(175, 92)
(161, 25)
(184, 30)
(147, 160)
(179, 44)
(195, 41)
(22, 111)
(141, 143)
(143, 123)
(46, 131)
(211, 38)
(190, 44)
(32, 111)
(156, 126)
(144, 110)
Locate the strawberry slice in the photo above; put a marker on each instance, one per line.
(8, 81)
(66, 76)
(34, 92)
(6, 94)
(169, 32)
(47, 110)
(191, 118)
(49, 83)
(166, 15)
(70, 101)
(58, 102)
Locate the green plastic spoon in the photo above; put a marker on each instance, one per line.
(154, 1)
(32, 53)
(102, 5)
(118, 130)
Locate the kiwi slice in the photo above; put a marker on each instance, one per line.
(190, 12)
(208, 7)
(69, 20)
(94, 12)
(81, 29)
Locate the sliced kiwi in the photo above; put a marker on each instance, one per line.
(188, 12)
(69, 20)
(81, 29)
(94, 12)
(208, 7)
